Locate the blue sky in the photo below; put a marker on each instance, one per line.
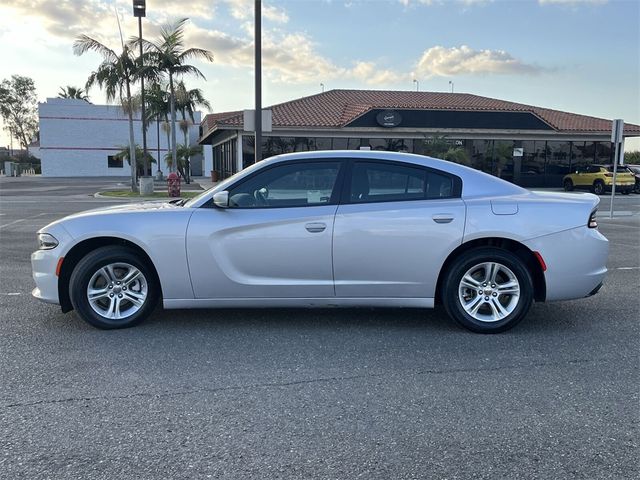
(578, 56)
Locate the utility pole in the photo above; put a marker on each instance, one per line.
(258, 79)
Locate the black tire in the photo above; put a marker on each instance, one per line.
(568, 185)
(452, 296)
(598, 187)
(626, 191)
(117, 260)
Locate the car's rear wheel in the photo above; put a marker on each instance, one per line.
(598, 187)
(626, 191)
(487, 290)
(112, 288)
(568, 185)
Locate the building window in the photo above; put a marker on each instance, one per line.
(557, 163)
(114, 161)
(604, 152)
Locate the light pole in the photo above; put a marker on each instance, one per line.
(322, 86)
(417, 84)
(451, 83)
(139, 11)
(258, 69)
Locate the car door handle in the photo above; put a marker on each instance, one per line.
(442, 218)
(315, 227)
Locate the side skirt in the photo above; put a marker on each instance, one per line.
(298, 302)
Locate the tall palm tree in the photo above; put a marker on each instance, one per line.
(168, 56)
(114, 75)
(73, 92)
(186, 102)
(157, 109)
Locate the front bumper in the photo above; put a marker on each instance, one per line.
(43, 266)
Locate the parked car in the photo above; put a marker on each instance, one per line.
(338, 228)
(599, 179)
(635, 170)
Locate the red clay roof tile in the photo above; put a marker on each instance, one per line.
(337, 108)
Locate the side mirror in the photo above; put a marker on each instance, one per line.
(221, 199)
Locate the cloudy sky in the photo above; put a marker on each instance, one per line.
(581, 56)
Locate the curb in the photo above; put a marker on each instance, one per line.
(99, 195)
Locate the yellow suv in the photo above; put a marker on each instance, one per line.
(599, 179)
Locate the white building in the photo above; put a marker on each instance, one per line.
(79, 139)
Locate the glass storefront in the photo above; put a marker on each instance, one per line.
(224, 158)
(541, 163)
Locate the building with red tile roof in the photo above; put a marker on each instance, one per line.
(529, 145)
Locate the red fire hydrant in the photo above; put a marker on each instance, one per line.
(173, 184)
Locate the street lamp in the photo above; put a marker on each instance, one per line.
(417, 84)
(451, 83)
(322, 85)
(139, 11)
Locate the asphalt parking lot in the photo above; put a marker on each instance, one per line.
(354, 393)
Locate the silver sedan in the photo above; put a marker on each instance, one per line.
(335, 228)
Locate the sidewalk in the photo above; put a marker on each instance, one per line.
(204, 182)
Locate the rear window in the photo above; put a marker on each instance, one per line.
(621, 169)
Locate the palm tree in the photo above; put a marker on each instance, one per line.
(168, 56)
(157, 109)
(186, 102)
(73, 92)
(184, 152)
(115, 75)
(125, 154)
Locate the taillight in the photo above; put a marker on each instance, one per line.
(592, 220)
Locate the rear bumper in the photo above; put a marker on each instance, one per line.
(576, 262)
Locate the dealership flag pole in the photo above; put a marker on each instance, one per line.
(616, 136)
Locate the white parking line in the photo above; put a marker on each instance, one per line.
(11, 294)
(628, 268)
(22, 220)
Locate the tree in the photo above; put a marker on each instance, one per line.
(125, 154)
(168, 56)
(19, 109)
(439, 147)
(632, 158)
(157, 108)
(114, 75)
(186, 102)
(73, 92)
(184, 152)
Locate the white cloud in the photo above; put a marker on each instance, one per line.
(244, 10)
(572, 2)
(463, 60)
(429, 3)
(286, 57)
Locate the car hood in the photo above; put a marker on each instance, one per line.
(129, 207)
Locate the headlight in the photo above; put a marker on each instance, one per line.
(46, 241)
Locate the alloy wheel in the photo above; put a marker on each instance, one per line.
(117, 291)
(489, 292)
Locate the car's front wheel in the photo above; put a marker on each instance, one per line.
(112, 288)
(487, 290)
